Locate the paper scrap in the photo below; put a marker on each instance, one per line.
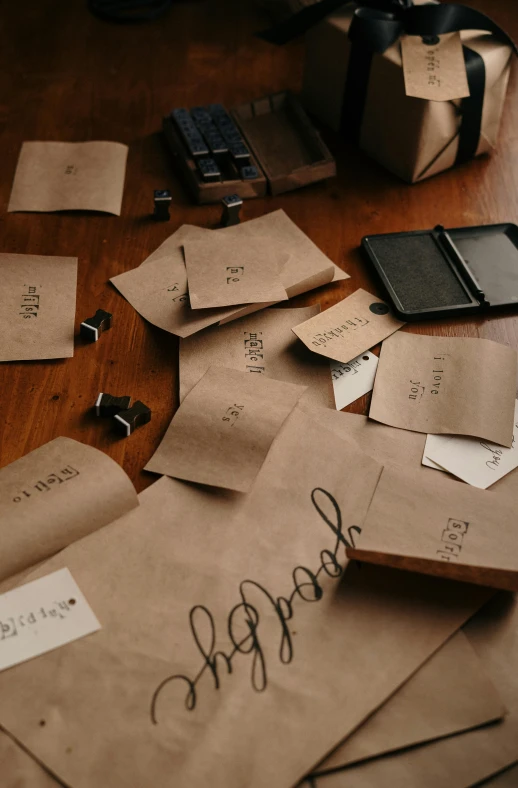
(69, 176)
(431, 442)
(434, 68)
(41, 616)
(229, 272)
(446, 385)
(348, 328)
(479, 463)
(37, 306)
(195, 570)
(54, 495)
(260, 344)
(353, 380)
(224, 428)
(442, 528)
(451, 693)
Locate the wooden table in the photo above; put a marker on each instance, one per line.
(66, 75)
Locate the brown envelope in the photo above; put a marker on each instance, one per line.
(197, 571)
(55, 495)
(69, 176)
(224, 428)
(441, 528)
(37, 306)
(447, 385)
(469, 758)
(450, 693)
(348, 328)
(262, 344)
(225, 271)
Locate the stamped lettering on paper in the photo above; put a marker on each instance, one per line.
(432, 385)
(339, 332)
(178, 296)
(235, 273)
(70, 169)
(452, 538)
(47, 483)
(434, 67)
(254, 351)
(30, 302)
(233, 413)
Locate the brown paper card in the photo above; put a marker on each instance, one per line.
(37, 306)
(451, 693)
(446, 385)
(69, 176)
(55, 495)
(434, 67)
(229, 272)
(19, 769)
(468, 758)
(177, 568)
(442, 528)
(348, 328)
(261, 344)
(224, 428)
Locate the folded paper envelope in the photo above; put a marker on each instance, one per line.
(260, 344)
(197, 571)
(442, 528)
(447, 385)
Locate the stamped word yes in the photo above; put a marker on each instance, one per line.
(180, 297)
(232, 414)
(235, 273)
(452, 536)
(30, 303)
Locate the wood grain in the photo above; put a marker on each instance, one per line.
(66, 75)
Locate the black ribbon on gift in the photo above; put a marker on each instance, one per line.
(376, 25)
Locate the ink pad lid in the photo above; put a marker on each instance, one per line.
(447, 273)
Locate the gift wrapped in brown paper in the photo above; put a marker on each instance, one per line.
(359, 62)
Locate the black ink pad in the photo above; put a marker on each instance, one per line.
(446, 273)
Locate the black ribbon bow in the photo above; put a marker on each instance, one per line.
(376, 25)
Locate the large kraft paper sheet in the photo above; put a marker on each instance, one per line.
(468, 758)
(414, 139)
(446, 385)
(67, 176)
(222, 431)
(451, 692)
(443, 528)
(37, 306)
(55, 495)
(155, 706)
(260, 344)
(348, 328)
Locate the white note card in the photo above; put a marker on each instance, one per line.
(354, 379)
(477, 462)
(41, 616)
(431, 444)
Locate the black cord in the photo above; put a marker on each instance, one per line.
(129, 10)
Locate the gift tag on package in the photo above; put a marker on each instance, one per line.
(41, 616)
(434, 68)
(353, 380)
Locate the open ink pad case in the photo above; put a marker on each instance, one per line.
(447, 273)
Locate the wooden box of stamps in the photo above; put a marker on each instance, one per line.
(266, 145)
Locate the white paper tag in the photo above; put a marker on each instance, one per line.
(432, 442)
(475, 461)
(354, 379)
(41, 616)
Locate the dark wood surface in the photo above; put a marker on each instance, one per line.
(65, 75)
